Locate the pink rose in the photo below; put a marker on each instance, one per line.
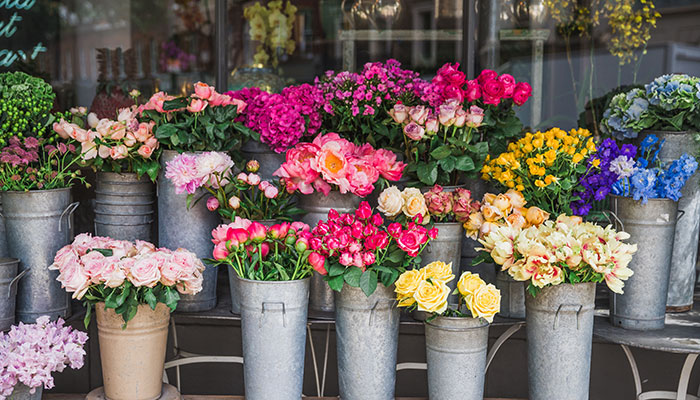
(447, 112)
(129, 139)
(399, 113)
(418, 114)
(462, 205)
(119, 152)
(460, 117)
(449, 74)
(414, 131)
(473, 90)
(116, 132)
(492, 91)
(431, 125)
(203, 91)
(508, 85)
(94, 262)
(112, 274)
(152, 142)
(74, 279)
(146, 270)
(453, 93)
(145, 151)
(240, 105)
(475, 117)
(410, 242)
(487, 75)
(196, 105)
(521, 93)
(143, 132)
(318, 262)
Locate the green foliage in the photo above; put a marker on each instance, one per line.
(25, 106)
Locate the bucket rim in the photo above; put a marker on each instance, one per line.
(38, 190)
(657, 199)
(8, 260)
(271, 282)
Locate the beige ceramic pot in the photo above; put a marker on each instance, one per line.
(133, 358)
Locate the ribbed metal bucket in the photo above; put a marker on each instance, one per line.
(124, 206)
(38, 224)
(273, 324)
(3, 234)
(512, 296)
(455, 350)
(446, 247)
(559, 340)
(651, 226)
(22, 392)
(317, 206)
(268, 159)
(367, 335)
(8, 291)
(191, 229)
(685, 243)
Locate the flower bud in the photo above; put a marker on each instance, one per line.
(252, 166)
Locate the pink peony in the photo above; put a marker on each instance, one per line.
(299, 171)
(182, 172)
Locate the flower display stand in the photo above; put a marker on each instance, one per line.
(169, 393)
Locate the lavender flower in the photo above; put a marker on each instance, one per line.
(623, 166)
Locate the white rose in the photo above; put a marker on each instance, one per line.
(390, 201)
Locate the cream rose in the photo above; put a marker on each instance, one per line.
(390, 201)
(432, 296)
(414, 204)
(485, 302)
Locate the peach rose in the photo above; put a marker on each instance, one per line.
(535, 216)
(516, 198)
(145, 151)
(414, 204)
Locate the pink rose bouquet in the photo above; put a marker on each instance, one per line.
(245, 195)
(123, 274)
(204, 120)
(332, 162)
(121, 145)
(357, 104)
(358, 249)
(435, 205)
(30, 353)
(278, 253)
(567, 250)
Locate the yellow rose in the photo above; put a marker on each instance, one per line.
(488, 198)
(491, 213)
(438, 271)
(473, 224)
(468, 283)
(406, 286)
(414, 204)
(390, 201)
(432, 297)
(503, 204)
(485, 302)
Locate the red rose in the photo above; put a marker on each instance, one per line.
(473, 90)
(487, 75)
(521, 93)
(508, 84)
(410, 242)
(450, 75)
(453, 92)
(492, 91)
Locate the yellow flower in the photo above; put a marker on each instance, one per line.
(577, 158)
(596, 162)
(431, 296)
(485, 302)
(540, 183)
(438, 271)
(406, 286)
(468, 284)
(549, 179)
(550, 156)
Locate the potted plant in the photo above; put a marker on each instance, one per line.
(333, 173)
(274, 266)
(561, 261)
(443, 210)
(30, 353)
(202, 121)
(668, 108)
(36, 174)
(125, 153)
(133, 287)
(645, 194)
(456, 336)
(361, 258)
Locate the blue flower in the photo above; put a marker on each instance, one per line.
(648, 141)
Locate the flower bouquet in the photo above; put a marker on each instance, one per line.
(332, 162)
(204, 120)
(504, 209)
(545, 168)
(26, 107)
(436, 205)
(124, 145)
(245, 196)
(357, 105)
(357, 249)
(30, 353)
(668, 103)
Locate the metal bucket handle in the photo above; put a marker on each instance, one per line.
(14, 282)
(681, 213)
(284, 311)
(617, 219)
(374, 308)
(67, 213)
(577, 307)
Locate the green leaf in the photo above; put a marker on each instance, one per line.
(104, 252)
(427, 173)
(441, 152)
(336, 269)
(396, 256)
(171, 298)
(482, 257)
(165, 131)
(335, 282)
(174, 104)
(150, 298)
(352, 276)
(448, 164)
(368, 282)
(464, 163)
(88, 314)
(565, 184)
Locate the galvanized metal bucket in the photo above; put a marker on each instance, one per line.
(190, 228)
(512, 296)
(685, 243)
(367, 335)
(559, 340)
(124, 206)
(273, 324)
(651, 226)
(3, 234)
(38, 224)
(446, 247)
(268, 159)
(22, 392)
(8, 291)
(455, 350)
(317, 206)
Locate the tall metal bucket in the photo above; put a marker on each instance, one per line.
(317, 205)
(124, 206)
(512, 296)
(23, 392)
(367, 335)
(685, 243)
(3, 234)
(8, 291)
(38, 224)
(455, 350)
(559, 339)
(190, 228)
(446, 247)
(268, 159)
(651, 226)
(273, 323)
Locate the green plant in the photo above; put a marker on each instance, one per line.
(25, 106)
